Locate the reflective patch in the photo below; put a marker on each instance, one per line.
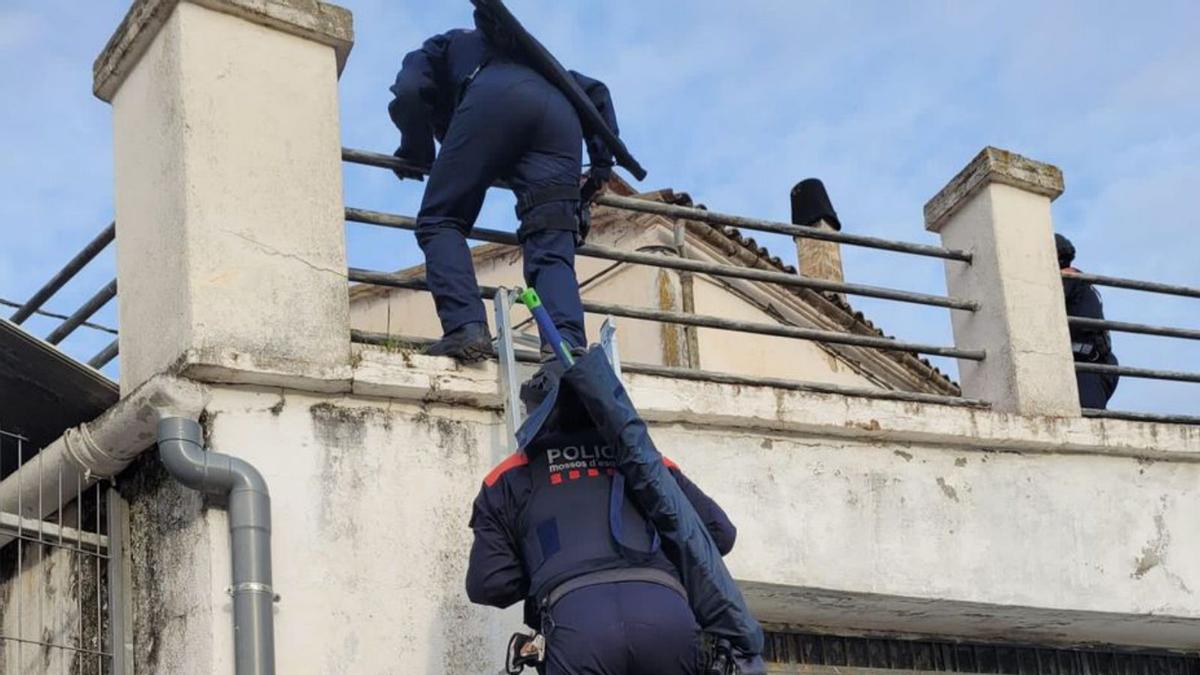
(547, 533)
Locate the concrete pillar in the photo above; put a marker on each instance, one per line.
(998, 208)
(230, 232)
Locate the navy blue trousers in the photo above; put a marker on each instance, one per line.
(630, 628)
(1096, 388)
(513, 125)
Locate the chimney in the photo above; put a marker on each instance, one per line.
(811, 208)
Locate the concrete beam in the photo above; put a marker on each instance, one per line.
(998, 208)
(317, 21)
(230, 232)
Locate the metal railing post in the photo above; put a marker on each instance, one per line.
(120, 584)
(509, 385)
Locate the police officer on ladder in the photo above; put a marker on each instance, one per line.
(551, 530)
(1089, 345)
(496, 119)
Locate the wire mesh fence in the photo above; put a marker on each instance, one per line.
(54, 572)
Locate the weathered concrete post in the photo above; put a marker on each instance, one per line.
(230, 242)
(998, 208)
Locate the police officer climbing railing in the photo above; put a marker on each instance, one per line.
(1098, 371)
(507, 114)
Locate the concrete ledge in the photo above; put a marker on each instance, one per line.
(228, 366)
(992, 165)
(318, 21)
(920, 617)
(765, 409)
(406, 376)
(412, 376)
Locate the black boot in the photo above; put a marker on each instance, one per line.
(470, 343)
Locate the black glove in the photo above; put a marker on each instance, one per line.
(407, 174)
(594, 182)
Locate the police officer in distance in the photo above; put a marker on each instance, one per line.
(1089, 345)
(554, 528)
(496, 119)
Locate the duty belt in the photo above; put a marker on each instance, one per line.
(621, 575)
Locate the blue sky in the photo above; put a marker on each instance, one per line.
(733, 102)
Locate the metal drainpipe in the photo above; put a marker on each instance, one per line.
(181, 447)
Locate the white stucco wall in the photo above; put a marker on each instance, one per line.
(853, 514)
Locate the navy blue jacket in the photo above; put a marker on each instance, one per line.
(497, 575)
(1083, 300)
(433, 79)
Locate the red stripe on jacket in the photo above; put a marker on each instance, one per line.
(514, 460)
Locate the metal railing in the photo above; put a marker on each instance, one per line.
(699, 320)
(714, 269)
(1142, 329)
(780, 278)
(62, 586)
(375, 159)
(525, 356)
(683, 264)
(80, 317)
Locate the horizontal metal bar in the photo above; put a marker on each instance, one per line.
(1103, 324)
(816, 387)
(61, 317)
(1143, 373)
(675, 211)
(1140, 416)
(1134, 284)
(714, 218)
(9, 434)
(382, 161)
(780, 330)
(106, 355)
(93, 305)
(703, 321)
(67, 273)
(391, 341)
(49, 533)
(52, 645)
(685, 264)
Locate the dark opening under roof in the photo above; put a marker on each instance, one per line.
(43, 391)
